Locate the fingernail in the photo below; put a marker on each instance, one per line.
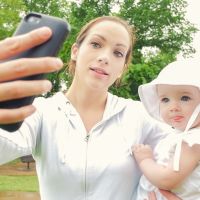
(31, 109)
(45, 31)
(59, 63)
(47, 86)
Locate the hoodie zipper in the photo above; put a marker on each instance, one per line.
(87, 138)
(86, 159)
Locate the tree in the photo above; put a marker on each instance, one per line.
(9, 16)
(140, 73)
(159, 24)
(57, 8)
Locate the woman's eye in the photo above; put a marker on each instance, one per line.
(119, 54)
(164, 100)
(185, 98)
(95, 45)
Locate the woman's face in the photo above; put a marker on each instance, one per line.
(100, 59)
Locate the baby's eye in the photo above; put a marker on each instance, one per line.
(185, 98)
(165, 100)
(95, 45)
(119, 54)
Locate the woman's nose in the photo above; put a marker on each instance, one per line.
(103, 60)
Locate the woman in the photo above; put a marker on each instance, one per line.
(82, 140)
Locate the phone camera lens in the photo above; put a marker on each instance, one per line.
(33, 19)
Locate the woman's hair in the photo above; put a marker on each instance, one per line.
(83, 33)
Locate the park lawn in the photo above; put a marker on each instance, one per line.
(19, 183)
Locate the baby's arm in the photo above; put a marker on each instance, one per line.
(164, 177)
(167, 194)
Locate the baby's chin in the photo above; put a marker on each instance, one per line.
(179, 128)
(182, 126)
(182, 129)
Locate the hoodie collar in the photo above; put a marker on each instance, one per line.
(114, 105)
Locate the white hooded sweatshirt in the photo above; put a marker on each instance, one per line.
(71, 166)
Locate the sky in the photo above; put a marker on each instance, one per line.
(193, 15)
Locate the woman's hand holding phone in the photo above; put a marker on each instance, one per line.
(15, 69)
(25, 60)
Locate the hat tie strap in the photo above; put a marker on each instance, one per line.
(177, 154)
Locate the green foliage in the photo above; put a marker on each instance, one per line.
(141, 73)
(9, 16)
(159, 23)
(57, 8)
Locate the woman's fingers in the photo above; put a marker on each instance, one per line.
(28, 66)
(12, 46)
(19, 89)
(152, 196)
(169, 195)
(15, 115)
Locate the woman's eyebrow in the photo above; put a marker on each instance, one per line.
(104, 39)
(100, 36)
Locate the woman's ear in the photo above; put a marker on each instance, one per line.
(74, 52)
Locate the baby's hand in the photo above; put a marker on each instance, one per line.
(142, 152)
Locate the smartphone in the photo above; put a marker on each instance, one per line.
(60, 29)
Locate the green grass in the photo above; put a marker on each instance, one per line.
(19, 183)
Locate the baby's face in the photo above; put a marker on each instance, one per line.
(177, 103)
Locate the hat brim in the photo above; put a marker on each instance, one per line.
(149, 98)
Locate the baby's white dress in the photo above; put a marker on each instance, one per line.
(189, 189)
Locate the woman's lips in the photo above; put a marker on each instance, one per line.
(99, 71)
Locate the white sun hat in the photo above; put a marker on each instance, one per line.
(183, 72)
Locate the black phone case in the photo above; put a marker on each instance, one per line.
(31, 21)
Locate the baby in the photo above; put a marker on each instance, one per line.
(173, 98)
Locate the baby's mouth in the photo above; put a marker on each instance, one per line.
(178, 118)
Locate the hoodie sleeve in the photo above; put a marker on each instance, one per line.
(149, 130)
(23, 141)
